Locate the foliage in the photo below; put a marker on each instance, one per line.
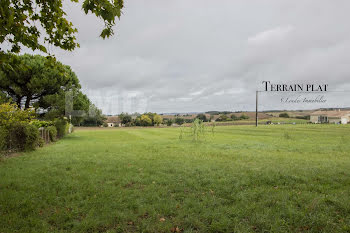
(125, 118)
(284, 114)
(17, 132)
(39, 123)
(169, 122)
(31, 78)
(20, 20)
(55, 105)
(105, 124)
(179, 120)
(303, 117)
(23, 136)
(197, 130)
(202, 117)
(157, 120)
(3, 138)
(10, 114)
(234, 117)
(62, 127)
(223, 117)
(81, 103)
(52, 133)
(4, 98)
(94, 118)
(244, 117)
(145, 120)
(189, 120)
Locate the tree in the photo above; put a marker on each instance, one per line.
(20, 20)
(157, 119)
(145, 120)
(94, 118)
(54, 106)
(244, 117)
(202, 117)
(179, 120)
(30, 78)
(284, 114)
(169, 122)
(234, 117)
(222, 117)
(125, 118)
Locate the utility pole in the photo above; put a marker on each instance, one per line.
(256, 110)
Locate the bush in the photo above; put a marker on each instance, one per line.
(303, 117)
(234, 117)
(3, 138)
(52, 133)
(202, 117)
(222, 117)
(11, 114)
(189, 120)
(244, 117)
(105, 124)
(146, 120)
(40, 124)
(179, 121)
(284, 114)
(62, 127)
(23, 136)
(169, 122)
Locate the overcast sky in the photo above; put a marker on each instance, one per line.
(200, 55)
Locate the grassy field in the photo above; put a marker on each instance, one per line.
(251, 121)
(278, 178)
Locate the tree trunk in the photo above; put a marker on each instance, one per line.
(26, 106)
(18, 101)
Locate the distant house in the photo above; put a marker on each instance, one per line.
(334, 116)
(113, 121)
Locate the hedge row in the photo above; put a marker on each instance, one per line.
(24, 136)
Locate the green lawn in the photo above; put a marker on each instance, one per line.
(278, 178)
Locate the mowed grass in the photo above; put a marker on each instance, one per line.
(288, 178)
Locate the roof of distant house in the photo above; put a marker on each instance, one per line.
(333, 113)
(112, 119)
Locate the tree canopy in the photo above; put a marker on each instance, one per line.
(34, 23)
(202, 117)
(30, 78)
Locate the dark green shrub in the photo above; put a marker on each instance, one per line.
(244, 117)
(61, 126)
(40, 124)
(179, 120)
(52, 133)
(40, 142)
(23, 136)
(202, 117)
(189, 120)
(3, 138)
(222, 117)
(169, 122)
(234, 117)
(284, 114)
(303, 117)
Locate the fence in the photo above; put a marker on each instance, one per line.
(44, 134)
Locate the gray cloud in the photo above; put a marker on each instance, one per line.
(202, 55)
